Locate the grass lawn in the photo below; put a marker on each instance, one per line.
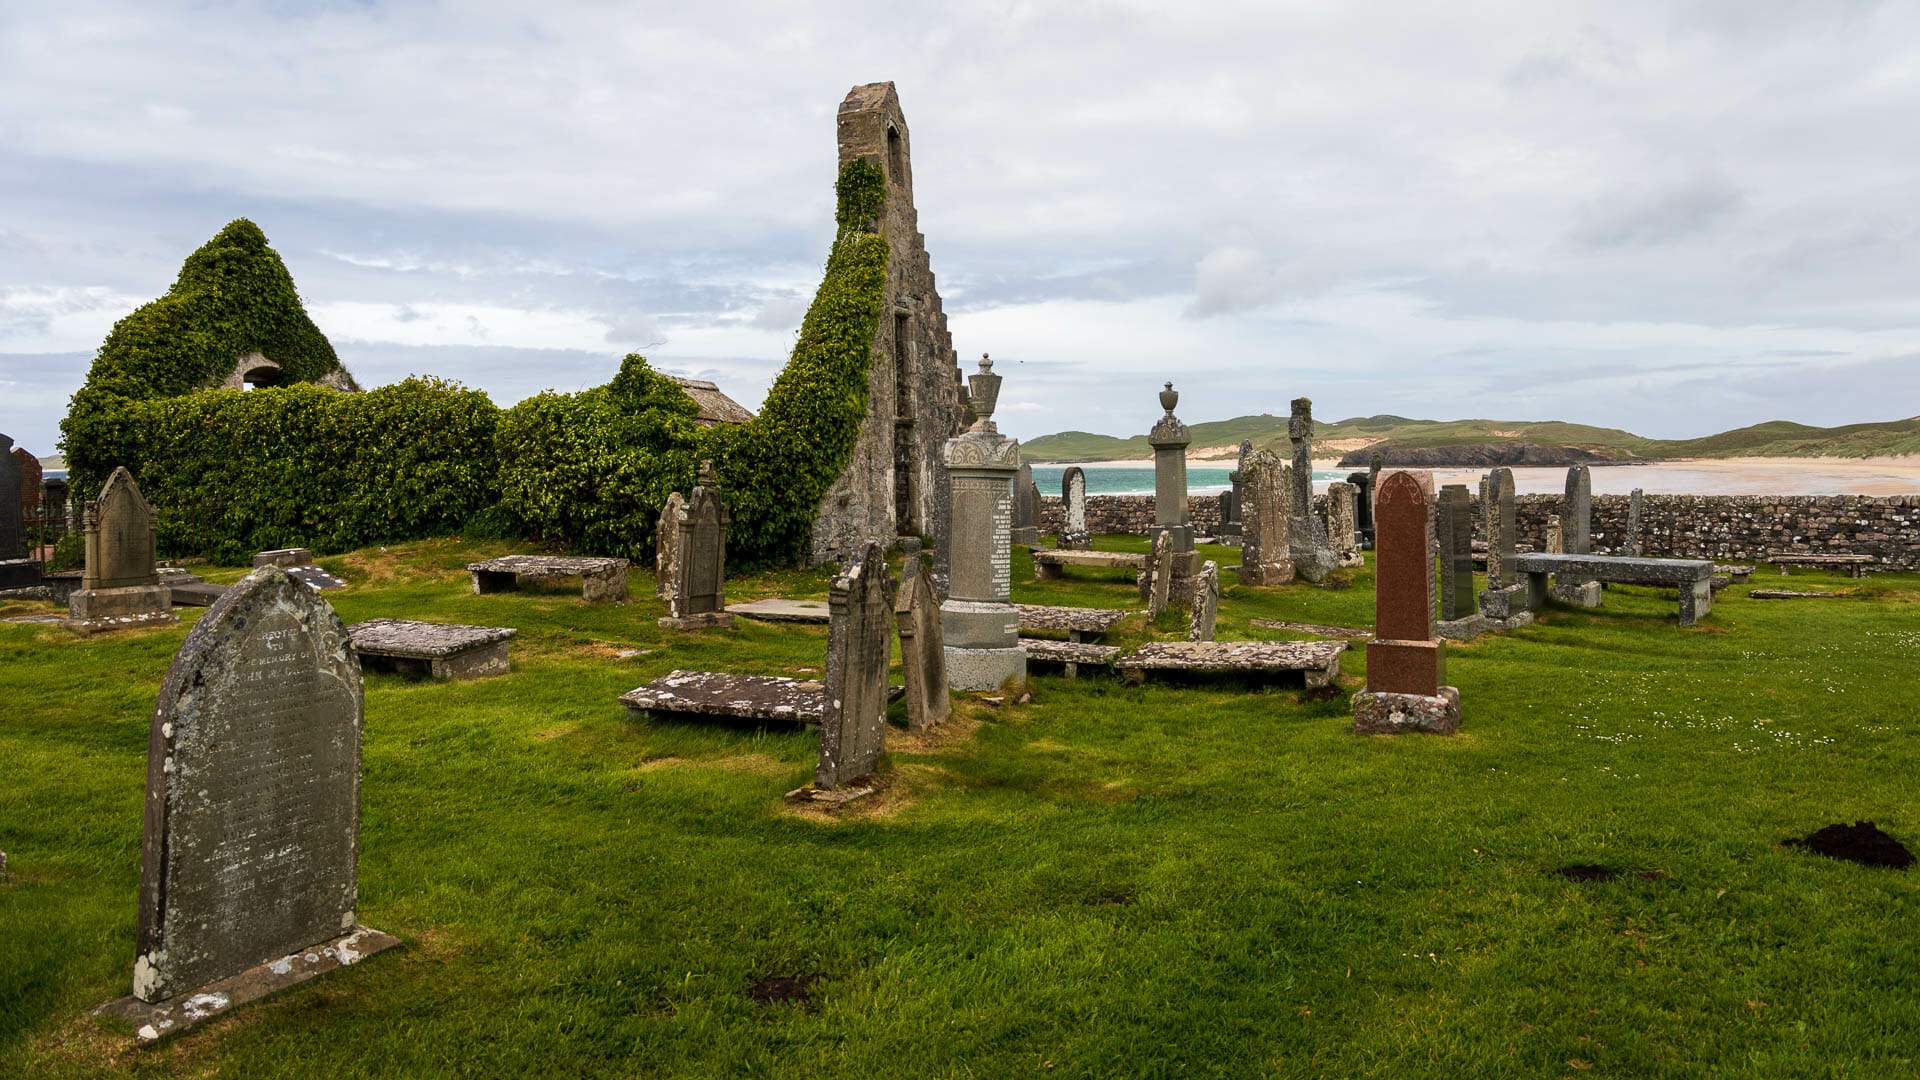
(1155, 881)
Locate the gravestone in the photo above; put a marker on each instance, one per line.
(699, 597)
(666, 546)
(13, 535)
(859, 645)
(923, 651)
(32, 488)
(1576, 524)
(1170, 439)
(981, 625)
(1206, 602)
(1556, 536)
(1633, 521)
(1155, 579)
(1313, 559)
(1073, 508)
(1459, 620)
(248, 877)
(1363, 506)
(1504, 600)
(121, 587)
(1406, 662)
(1026, 509)
(1265, 551)
(1234, 498)
(1343, 524)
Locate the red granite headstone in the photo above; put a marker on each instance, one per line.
(1405, 657)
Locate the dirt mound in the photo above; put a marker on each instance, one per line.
(1860, 842)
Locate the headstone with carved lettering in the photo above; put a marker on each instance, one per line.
(699, 597)
(1233, 500)
(923, 652)
(248, 878)
(1406, 661)
(121, 587)
(1459, 620)
(1073, 509)
(1266, 555)
(853, 723)
(981, 625)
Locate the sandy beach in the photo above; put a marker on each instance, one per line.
(1692, 476)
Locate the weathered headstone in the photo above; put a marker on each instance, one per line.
(859, 644)
(1170, 439)
(1459, 620)
(1026, 508)
(666, 546)
(1406, 662)
(1156, 584)
(1233, 500)
(1363, 504)
(1634, 502)
(1504, 600)
(1206, 602)
(1576, 523)
(1073, 508)
(923, 652)
(121, 587)
(12, 532)
(1313, 559)
(248, 877)
(981, 624)
(1266, 556)
(32, 487)
(699, 597)
(1556, 536)
(1343, 527)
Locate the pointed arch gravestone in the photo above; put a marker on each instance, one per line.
(699, 597)
(1504, 600)
(1265, 543)
(1576, 529)
(923, 651)
(248, 869)
(1406, 662)
(853, 728)
(666, 546)
(1459, 619)
(121, 587)
(1073, 508)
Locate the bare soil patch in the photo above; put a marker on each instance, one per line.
(1861, 842)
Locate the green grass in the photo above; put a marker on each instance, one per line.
(1155, 881)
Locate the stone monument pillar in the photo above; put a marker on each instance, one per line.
(1632, 545)
(1504, 600)
(1169, 439)
(982, 626)
(121, 587)
(1406, 663)
(1576, 523)
(1312, 558)
(1459, 619)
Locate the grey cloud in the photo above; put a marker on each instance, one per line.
(1636, 218)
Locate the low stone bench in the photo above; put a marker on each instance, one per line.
(708, 695)
(1048, 565)
(431, 650)
(1317, 662)
(778, 609)
(1069, 655)
(600, 579)
(1693, 577)
(1080, 624)
(1854, 565)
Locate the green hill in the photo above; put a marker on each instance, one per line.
(1775, 438)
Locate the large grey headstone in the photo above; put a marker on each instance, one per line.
(923, 647)
(1503, 528)
(1576, 516)
(253, 790)
(12, 533)
(1266, 556)
(1073, 506)
(1455, 530)
(700, 576)
(859, 646)
(1026, 507)
(666, 546)
(120, 543)
(1206, 602)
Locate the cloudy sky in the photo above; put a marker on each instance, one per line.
(1674, 218)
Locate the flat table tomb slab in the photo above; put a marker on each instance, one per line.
(433, 650)
(1079, 623)
(1069, 655)
(1317, 661)
(1049, 564)
(600, 578)
(726, 695)
(779, 610)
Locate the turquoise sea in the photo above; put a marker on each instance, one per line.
(1137, 480)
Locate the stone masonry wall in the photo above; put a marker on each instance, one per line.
(1726, 528)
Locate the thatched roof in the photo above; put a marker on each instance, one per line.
(715, 407)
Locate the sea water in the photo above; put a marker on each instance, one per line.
(1138, 480)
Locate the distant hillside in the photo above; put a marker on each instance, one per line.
(1478, 441)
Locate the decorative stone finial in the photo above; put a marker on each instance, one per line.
(984, 388)
(1169, 398)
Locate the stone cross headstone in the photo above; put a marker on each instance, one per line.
(12, 532)
(1026, 508)
(121, 585)
(1313, 559)
(253, 793)
(859, 645)
(1156, 585)
(1406, 662)
(1073, 507)
(1265, 553)
(1634, 502)
(1455, 530)
(923, 652)
(981, 624)
(1206, 602)
(699, 597)
(666, 546)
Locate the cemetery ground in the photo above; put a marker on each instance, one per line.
(1203, 879)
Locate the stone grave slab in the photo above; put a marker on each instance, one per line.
(725, 695)
(1854, 565)
(1080, 624)
(431, 650)
(19, 574)
(315, 577)
(1049, 564)
(779, 610)
(1317, 662)
(1069, 655)
(1320, 629)
(1790, 594)
(284, 557)
(601, 579)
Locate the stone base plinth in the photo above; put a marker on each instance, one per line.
(1462, 629)
(1405, 667)
(1512, 622)
(1504, 602)
(96, 611)
(985, 669)
(153, 1021)
(708, 620)
(1586, 594)
(1382, 713)
(1274, 573)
